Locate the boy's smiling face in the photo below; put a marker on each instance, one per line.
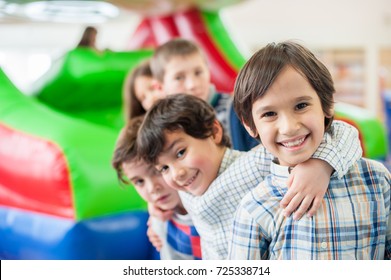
(289, 118)
(187, 74)
(190, 164)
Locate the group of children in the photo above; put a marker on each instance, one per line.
(236, 203)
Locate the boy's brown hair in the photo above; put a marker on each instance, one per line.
(126, 147)
(261, 70)
(188, 113)
(173, 48)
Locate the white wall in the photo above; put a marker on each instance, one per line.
(319, 23)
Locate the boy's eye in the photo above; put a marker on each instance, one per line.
(180, 153)
(178, 78)
(268, 114)
(198, 72)
(138, 182)
(301, 106)
(162, 169)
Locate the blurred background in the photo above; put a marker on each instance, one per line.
(353, 37)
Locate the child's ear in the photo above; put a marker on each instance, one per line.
(217, 132)
(249, 130)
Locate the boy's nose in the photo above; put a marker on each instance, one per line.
(288, 125)
(150, 189)
(190, 83)
(154, 188)
(178, 174)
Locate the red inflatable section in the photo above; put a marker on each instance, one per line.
(165, 27)
(45, 175)
(189, 25)
(142, 37)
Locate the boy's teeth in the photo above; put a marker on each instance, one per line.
(190, 181)
(293, 143)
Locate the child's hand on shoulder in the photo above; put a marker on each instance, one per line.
(307, 183)
(153, 237)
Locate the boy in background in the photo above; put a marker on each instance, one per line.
(182, 138)
(289, 108)
(180, 66)
(178, 235)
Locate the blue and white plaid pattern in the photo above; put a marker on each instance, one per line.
(353, 221)
(213, 212)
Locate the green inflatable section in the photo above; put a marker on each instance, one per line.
(87, 147)
(88, 85)
(373, 134)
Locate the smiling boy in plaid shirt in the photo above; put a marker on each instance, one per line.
(289, 107)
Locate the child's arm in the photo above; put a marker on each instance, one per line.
(308, 183)
(154, 237)
(162, 215)
(340, 147)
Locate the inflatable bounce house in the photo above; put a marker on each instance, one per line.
(59, 196)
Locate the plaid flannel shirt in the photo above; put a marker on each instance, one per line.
(353, 221)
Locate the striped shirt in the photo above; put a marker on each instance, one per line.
(353, 221)
(213, 212)
(180, 238)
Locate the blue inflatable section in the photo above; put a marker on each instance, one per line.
(37, 236)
